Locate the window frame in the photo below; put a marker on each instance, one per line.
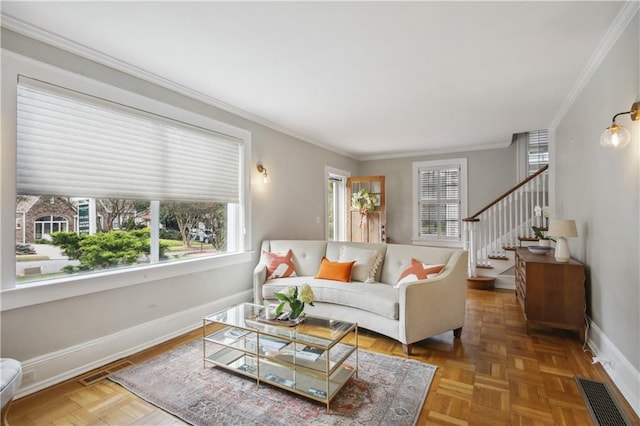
(535, 161)
(523, 148)
(54, 289)
(434, 240)
(341, 208)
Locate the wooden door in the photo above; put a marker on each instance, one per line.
(367, 228)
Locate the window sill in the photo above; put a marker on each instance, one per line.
(438, 243)
(57, 289)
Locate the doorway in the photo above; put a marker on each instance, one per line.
(336, 208)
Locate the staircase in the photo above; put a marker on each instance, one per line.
(493, 233)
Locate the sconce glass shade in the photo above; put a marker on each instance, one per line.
(615, 137)
(263, 171)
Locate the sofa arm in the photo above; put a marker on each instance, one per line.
(259, 278)
(435, 305)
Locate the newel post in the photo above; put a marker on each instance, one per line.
(469, 243)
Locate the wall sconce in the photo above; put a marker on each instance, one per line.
(263, 171)
(616, 136)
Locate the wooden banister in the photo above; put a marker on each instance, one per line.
(474, 218)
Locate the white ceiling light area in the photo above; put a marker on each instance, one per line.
(369, 79)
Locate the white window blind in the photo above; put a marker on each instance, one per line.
(71, 144)
(537, 150)
(439, 201)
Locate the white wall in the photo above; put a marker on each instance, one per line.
(490, 173)
(600, 190)
(69, 336)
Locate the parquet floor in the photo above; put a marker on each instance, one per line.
(495, 374)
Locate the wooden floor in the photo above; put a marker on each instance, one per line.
(495, 374)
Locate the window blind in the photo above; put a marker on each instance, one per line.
(71, 144)
(537, 150)
(439, 201)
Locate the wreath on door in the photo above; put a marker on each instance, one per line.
(365, 203)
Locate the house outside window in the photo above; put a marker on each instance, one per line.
(440, 200)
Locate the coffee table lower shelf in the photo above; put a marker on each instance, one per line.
(297, 379)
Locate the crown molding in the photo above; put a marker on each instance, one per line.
(626, 14)
(452, 150)
(85, 52)
(41, 35)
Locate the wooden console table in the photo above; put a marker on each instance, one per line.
(551, 293)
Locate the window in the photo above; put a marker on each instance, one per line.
(336, 204)
(46, 225)
(136, 188)
(537, 150)
(439, 189)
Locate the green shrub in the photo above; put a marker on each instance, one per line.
(170, 234)
(105, 249)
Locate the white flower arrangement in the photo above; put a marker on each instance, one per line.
(296, 299)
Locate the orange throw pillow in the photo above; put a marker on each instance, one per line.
(279, 265)
(336, 271)
(418, 271)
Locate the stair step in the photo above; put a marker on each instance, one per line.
(509, 248)
(498, 257)
(484, 266)
(481, 283)
(527, 238)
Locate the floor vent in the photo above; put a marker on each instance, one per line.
(96, 376)
(602, 405)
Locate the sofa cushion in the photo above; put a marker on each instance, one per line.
(334, 248)
(398, 256)
(417, 270)
(279, 265)
(378, 298)
(307, 254)
(337, 271)
(366, 265)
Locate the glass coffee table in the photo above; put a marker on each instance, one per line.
(314, 358)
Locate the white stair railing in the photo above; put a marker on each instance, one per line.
(502, 224)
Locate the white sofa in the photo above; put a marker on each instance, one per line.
(408, 312)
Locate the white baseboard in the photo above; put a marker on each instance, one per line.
(621, 371)
(56, 367)
(507, 282)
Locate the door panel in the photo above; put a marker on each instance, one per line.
(370, 228)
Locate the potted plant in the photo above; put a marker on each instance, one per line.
(543, 240)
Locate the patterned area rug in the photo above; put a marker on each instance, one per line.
(388, 391)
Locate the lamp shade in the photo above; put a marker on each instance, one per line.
(562, 228)
(615, 137)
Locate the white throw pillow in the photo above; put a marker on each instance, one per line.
(367, 262)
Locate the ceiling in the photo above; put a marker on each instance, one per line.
(367, 79)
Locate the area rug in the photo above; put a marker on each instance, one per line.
(388, 391)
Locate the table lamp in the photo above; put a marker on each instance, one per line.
(562, 229)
